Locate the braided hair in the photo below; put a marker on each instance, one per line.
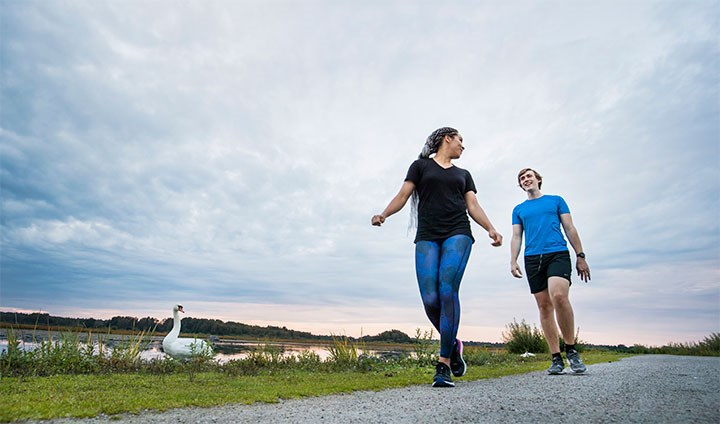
(432, 145)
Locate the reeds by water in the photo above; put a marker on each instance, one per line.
(71, 353)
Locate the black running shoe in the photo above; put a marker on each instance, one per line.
(457, 363)
(442, 376)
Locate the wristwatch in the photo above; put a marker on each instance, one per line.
(581, 255)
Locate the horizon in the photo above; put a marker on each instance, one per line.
(410, 334)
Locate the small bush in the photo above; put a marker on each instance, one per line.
(162, 366)
(520, 338)
(308, 360)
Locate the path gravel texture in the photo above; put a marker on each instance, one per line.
(639, 389)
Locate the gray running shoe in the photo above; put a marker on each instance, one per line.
(557, 367)
(576, 364)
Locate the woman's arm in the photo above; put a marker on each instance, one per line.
(478, 215)
(397, 203)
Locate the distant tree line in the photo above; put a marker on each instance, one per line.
(189, 325)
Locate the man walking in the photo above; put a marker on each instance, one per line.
(548, 265)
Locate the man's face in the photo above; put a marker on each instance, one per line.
(528, 181)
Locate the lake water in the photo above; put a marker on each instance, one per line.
(229, 350)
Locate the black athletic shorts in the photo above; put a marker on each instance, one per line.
(541, 267)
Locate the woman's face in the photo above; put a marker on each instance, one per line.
(455, 146)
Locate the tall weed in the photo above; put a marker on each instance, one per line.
(344, 352)
(425, 348)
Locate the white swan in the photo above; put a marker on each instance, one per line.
(182, 348)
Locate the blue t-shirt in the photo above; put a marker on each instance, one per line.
(540, 219)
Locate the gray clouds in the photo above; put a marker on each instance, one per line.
(232, 153)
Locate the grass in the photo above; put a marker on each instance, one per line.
(88, 395)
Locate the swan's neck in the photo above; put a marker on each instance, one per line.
(176, 324)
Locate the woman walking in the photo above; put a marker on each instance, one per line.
(442, 197)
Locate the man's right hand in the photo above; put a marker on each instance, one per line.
(515, 270)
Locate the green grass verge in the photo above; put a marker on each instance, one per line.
(90, 395)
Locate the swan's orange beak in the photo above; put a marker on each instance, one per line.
(180, 309)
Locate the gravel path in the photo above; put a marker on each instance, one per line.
(640, 389)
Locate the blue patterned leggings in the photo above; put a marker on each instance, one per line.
(440, 266)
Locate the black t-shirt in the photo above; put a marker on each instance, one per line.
(442, 211)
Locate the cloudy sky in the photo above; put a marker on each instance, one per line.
(228, 155)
